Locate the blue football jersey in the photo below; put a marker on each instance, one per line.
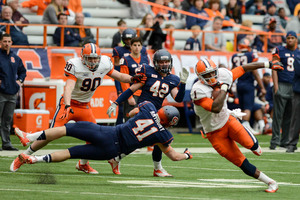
(132, 65)
(144, 129)
(192, 44)
(287, 58)
(122, 52)
(240, 59)
(157, 87)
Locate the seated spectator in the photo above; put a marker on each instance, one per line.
(116, 40)
(246, 23)
(271, 13)
(17, 36)
(193, 43)
(215, 41)
(260, 8)
(85, 33)
(138, 9)
(233, 11)
(69, 12)
(157, 37)
(147, 22)
(51, 12)
(187, 4)
(169, 43)
(17, 17)
(283, 18)
(70, 38)
(242, 4)
(221, 7)
(75, 6)
(294, 25)
(32, 4)
(161, 11)
(251, 6)
(176, 15)
(198, 10)
(274, 40)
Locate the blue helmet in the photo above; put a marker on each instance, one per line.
(128, 34)
(169, 116)
(159, 55)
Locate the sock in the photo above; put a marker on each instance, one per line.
(157, 165)
(261, 124)
(120, 157)
(29, 151)
(83, 161)
(46, 158)
(264, 178)
(34, 136)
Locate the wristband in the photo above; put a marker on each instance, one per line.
(224, 87)
(67, 106)
(187, 156)
(267, 64)
(21, 81)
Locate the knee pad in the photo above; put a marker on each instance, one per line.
(248, 168)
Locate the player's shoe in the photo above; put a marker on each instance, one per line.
(257, 151)
(115, 166)
(22, 136)
(16, 164)
(86, 168)
(27, 158)
(150, 148)
(161, 173)
(273, 187)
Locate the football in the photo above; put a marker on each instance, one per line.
(215, 93)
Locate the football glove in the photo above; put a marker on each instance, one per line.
(183, 75)
(139, 78)
(188, 153)
(237, 113)
(275, 65)
(66, 112)
(112, 109)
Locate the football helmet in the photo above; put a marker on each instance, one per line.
(169, 116)
(207, 71)
(128, 34)
(244, 45)
(160, 55)
(90, 56)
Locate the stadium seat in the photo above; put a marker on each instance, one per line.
(102, 4)
(109, 12)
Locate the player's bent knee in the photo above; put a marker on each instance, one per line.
(248, 168)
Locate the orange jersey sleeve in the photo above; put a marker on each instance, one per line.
(237, 72)
(205, 103)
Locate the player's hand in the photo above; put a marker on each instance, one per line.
(188, 153)
(66, 112)
(183, 75)
(237, 113)
(276, 65)
(139, 78)
(112, 109)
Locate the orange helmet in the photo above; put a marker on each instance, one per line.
(90, 55)
(244, 45)
(207, 71)
(169, 116)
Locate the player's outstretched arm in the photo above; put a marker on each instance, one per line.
(173, 155)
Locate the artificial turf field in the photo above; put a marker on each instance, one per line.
(206, 176)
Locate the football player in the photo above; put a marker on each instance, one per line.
(245, 84)
(160, 82)
(118, 54)
(147, 127)
(84, 74)
(221, 128)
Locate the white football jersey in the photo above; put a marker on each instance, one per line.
(209, 120)
(87, 81)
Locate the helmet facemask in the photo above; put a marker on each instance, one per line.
(91, 61)
(209, 77)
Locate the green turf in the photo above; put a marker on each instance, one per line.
(198, 178)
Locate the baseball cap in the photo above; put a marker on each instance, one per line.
(291, 33)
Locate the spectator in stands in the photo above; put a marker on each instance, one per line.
(233, 11)
(215, 41)
(116, 40)
(12, 75)
(68, 11)
(283, 18)
(40, 4)
(177, 15)
(193, 43)
(85, 33)
(157, 37)
(246, 23)
(251, 7)
(271, 13)
(52, 11)
(187, 4)
(211, 4)
(18, 37)
(161, 11)
(294, 25)
(296, 10)
(75, 6)
(260, 8)
(198, 10)
(138, 9)
(170, 42)
(17, 17)
(147, 22)
(274, 40)
(70, 38)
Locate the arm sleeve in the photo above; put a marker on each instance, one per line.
(124, 96)
(181, 92)
(237, 72)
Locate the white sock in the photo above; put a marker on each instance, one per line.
(157, 165)
(44, 158)
(83, 161)
(264, 178)
(261, 124)
(119, 158)
(33, 136)
(29, 151)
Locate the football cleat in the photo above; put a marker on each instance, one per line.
(86, 168)
(27, 158)
(161, 173)
(257, 151)
(115, 166)
(273, 187)
(22, 136)
(16, 164)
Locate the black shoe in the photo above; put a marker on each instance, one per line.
(0, 149)
(272, 146)
(10, 148)
(291, 149)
